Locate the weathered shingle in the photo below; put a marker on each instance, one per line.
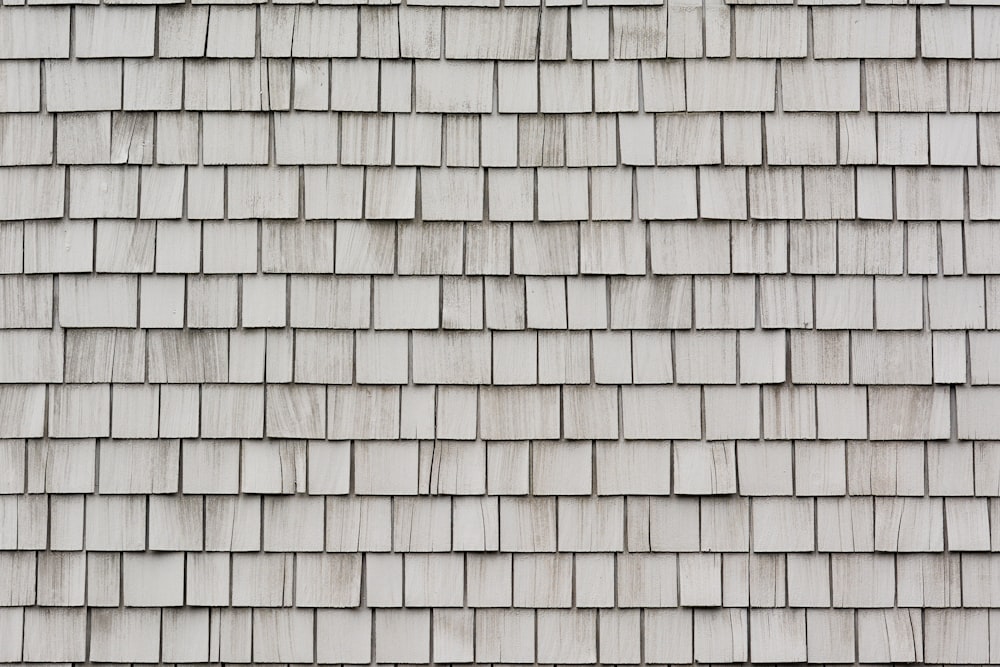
(36, 32)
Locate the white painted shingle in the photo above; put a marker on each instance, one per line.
(182, 31)
(890, 634)
(506, 634)
(879, 32)
(639, 32)
(501, 35)
(905, 85)
(237, 85)
(670, 633)
(771, 32)
(661, 412)
(99, 30)
(891, 358)
(720, 634)
(453, 87)
(945, 34)
(704, 468)
(820, 85)
(729, 85)
(684, 28)
(39, 32)
(94, 85)
(125, 634)
(255, 192)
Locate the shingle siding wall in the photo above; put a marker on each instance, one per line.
(652, 334)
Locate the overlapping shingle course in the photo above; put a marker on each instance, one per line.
(452, 332)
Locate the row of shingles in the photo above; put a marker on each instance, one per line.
(800, 412)
(536, 297)
(673, 30)
(661, 524)
(515, 636)
(788, 23)
(593, 249)
(478, 581)
(706, 249)
(500, 141)
(465, 86)
(458, 357)
(768, 32)
(607, 468)
(548, 194)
